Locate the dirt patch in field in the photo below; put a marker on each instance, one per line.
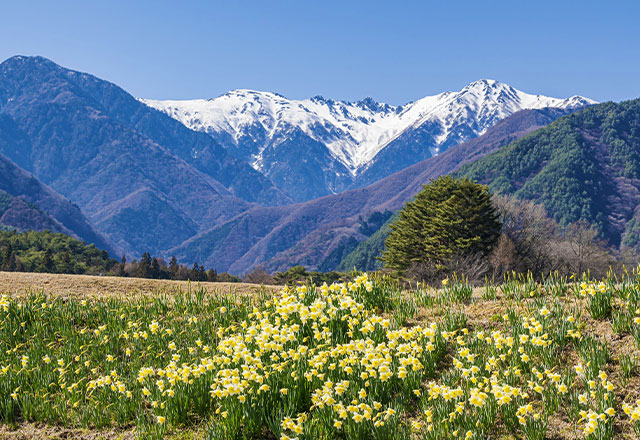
(37, 431)
(21, 283)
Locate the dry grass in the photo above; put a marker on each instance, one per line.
(28, 431)
(90, 286)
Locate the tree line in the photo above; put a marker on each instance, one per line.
(48, 252)
(451, 226)
(157, 268)
(45, 251)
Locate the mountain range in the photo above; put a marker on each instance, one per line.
(583, 167)
(143, 179)
(312, 232)
(318, 146)
(244, 180)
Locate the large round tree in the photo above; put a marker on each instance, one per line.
(448, 218)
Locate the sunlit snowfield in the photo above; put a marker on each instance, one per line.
(360, 360)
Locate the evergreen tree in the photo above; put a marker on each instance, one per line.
(107, 263)
(155, 268)
(292, 275)
(65, 265)
(47, 261)
(121, 271)
(16, 264)
(448, 218)
(193, 273)
(212, 275)
(13, 264)
(7, 258)
(144, 266)
(173, 267)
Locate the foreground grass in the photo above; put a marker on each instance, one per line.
(356, 361)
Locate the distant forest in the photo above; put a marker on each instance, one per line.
(48, 252)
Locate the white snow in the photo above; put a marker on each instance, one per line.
(353, 132)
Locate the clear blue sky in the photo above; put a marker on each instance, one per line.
(393, 51)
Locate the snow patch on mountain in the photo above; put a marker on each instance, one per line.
(354, 132)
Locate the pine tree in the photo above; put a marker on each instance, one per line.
(144, 266)
(47, 261)
(155, 268)
(7, 258)
(173, 267)
(193, 273)
(12, 263)
(16, 264)
(448, 218)
(65, 265)
(121, 271)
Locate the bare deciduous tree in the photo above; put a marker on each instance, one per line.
(258, 276)
(532, 233)
(586, 250)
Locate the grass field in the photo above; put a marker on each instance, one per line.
(98, 357)
(99, 287)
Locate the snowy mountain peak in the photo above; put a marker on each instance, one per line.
(371, 104)
(353, 132)
(319, 99)
(489, 88)
(485, 84)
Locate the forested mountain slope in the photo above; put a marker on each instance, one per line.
(26, 203)
(585, 166)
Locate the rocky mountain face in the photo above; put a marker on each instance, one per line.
(319, 146)
(145, 180)
(26, 203)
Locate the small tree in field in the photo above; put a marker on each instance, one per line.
(450, 218)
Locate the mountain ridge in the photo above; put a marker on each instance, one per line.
(29, 204)
(357, 142)
(584, 167)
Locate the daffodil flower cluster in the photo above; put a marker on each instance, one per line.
(500, 373)
(328, 341)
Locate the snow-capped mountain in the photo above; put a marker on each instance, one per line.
(349, 143)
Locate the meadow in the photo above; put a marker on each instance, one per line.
(364, 359)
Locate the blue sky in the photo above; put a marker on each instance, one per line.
(393, 51)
